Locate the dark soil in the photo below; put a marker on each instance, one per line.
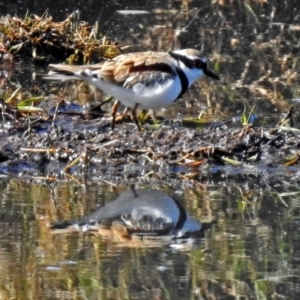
(48, 147)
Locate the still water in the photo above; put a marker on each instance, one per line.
(249, 242)
(249, 248)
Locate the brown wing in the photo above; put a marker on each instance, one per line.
(143, 67)
(133, 65)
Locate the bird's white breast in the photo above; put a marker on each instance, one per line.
(158, 95)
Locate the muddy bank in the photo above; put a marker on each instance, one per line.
(48, 147)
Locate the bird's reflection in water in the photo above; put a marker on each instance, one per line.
(149, 216)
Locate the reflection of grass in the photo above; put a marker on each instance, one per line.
(251, 250)
(246, 253)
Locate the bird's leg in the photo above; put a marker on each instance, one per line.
(134, 117)
(114, 111)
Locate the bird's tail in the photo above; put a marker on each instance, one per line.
(58, 76)
(68, 72)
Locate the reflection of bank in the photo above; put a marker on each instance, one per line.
(144, 214)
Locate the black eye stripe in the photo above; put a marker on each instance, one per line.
(200, 63)
(190, 63)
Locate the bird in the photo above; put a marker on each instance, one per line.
(144, 80)
(141, 211)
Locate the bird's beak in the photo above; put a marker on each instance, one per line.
(211, 74)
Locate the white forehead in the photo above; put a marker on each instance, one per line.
(191, 54)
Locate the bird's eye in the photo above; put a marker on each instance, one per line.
(198, 63)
